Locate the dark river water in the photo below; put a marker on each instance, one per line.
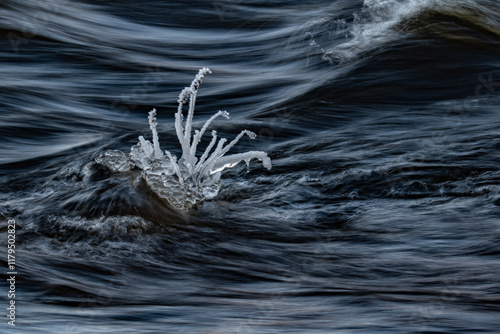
(381, 213)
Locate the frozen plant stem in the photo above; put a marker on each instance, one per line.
(152, 125)
(195, 179)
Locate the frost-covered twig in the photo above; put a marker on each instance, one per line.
(152, 126)
(206, 166)
(199, 134)
(207, 151)
(184, 133)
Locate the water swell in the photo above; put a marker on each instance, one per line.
(380, 117)
(381, 23)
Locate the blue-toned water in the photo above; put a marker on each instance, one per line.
(381, 213)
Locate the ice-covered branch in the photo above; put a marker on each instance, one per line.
(193, 90)
(190, 92)
(199, 134)
(235, 140)
(206, 153)
(152, 126)
(207, 165)
(233, 159)
(179, 129)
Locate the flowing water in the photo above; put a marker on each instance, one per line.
(380, 214)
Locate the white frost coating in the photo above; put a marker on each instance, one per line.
(152, 126)
(186, 182)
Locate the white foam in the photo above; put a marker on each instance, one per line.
(374, 26)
